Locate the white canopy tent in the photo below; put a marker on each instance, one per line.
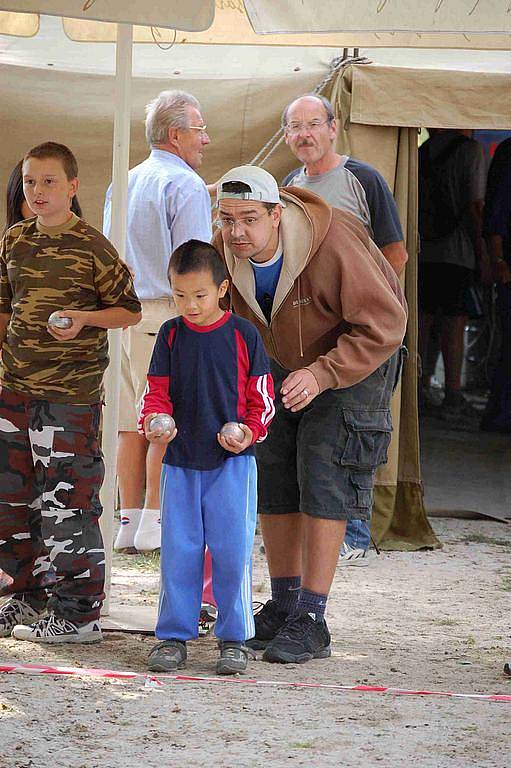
(54, 87)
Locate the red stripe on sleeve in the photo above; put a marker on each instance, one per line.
(243, 368)
(260, 407)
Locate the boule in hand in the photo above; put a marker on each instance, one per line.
(161, 423)
(232, 429)
(56, 321)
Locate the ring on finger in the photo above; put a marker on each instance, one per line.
(305, 392)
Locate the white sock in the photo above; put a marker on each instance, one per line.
(148, 535)
(130, 519)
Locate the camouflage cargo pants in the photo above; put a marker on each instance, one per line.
(51, 470)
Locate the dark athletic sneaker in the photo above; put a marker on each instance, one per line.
(233, 657)
(300, 639)
(167, 656)
(268, 620)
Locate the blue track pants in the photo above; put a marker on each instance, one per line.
(216, 507)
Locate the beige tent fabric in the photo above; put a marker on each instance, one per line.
(76, 109)
(19, 24)
(399, 518)
(451, 16)
(403, 96)
(192, 15)
(231, 26)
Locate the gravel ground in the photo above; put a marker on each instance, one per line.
(429, 620)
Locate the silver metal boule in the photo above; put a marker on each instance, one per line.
(161, 423)
(232, 429)
(57, 321)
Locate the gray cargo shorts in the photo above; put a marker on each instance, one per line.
(322, 460)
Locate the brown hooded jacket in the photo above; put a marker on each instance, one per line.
(339, 309)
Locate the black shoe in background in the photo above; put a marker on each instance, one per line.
(300, 639)
(268, 621)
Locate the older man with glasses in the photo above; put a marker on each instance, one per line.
(168, 204)
(332, 316)
(310, 130)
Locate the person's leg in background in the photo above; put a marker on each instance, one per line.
(131, 456)
(208, 611)
(457, 280)
(497, 416)
(453, 349)
(357, 540)
(138, 463)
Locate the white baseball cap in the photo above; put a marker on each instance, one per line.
(263, 186)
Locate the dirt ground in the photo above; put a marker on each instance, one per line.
(430, 620)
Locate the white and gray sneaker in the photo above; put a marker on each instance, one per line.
(54, 629)
(15, 611)
(353, 556)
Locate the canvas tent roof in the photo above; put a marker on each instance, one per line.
(55, 86)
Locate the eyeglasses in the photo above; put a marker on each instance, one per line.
(314, 125)
(201, 128)
(225, 222)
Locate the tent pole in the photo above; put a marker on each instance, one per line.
(121, 151)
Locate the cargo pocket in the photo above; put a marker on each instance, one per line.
(368, 438)
(362, 482)
(364, 438)
(76, 468)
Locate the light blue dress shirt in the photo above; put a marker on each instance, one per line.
(168, 204)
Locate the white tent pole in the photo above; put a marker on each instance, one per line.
(121, 151)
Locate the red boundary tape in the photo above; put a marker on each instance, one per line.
(42, 669)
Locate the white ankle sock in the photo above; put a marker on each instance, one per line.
(130, 518)
(148, 535)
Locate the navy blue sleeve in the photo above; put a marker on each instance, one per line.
(156, 397)
(160, 359)
(288, 180)
(259, 360)
(382, 206)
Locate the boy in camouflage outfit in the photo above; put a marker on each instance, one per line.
(51, 467)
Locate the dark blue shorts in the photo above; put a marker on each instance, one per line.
(322, 460)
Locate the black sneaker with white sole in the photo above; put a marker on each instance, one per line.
(300, 639)
(268, 620)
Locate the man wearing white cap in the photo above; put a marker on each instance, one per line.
(332, 316)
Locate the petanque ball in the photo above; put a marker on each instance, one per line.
(232, 429)
(59, 322)
(161, 423)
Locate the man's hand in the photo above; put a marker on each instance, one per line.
(299, 389)
(236, 446)
(162, 438)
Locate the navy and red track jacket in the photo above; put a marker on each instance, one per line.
(205, 376)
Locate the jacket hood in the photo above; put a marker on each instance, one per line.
(304, 224)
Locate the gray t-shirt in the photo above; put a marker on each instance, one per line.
(465, 183)
(358, 188)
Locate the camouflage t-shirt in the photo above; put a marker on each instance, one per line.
(44, 269)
